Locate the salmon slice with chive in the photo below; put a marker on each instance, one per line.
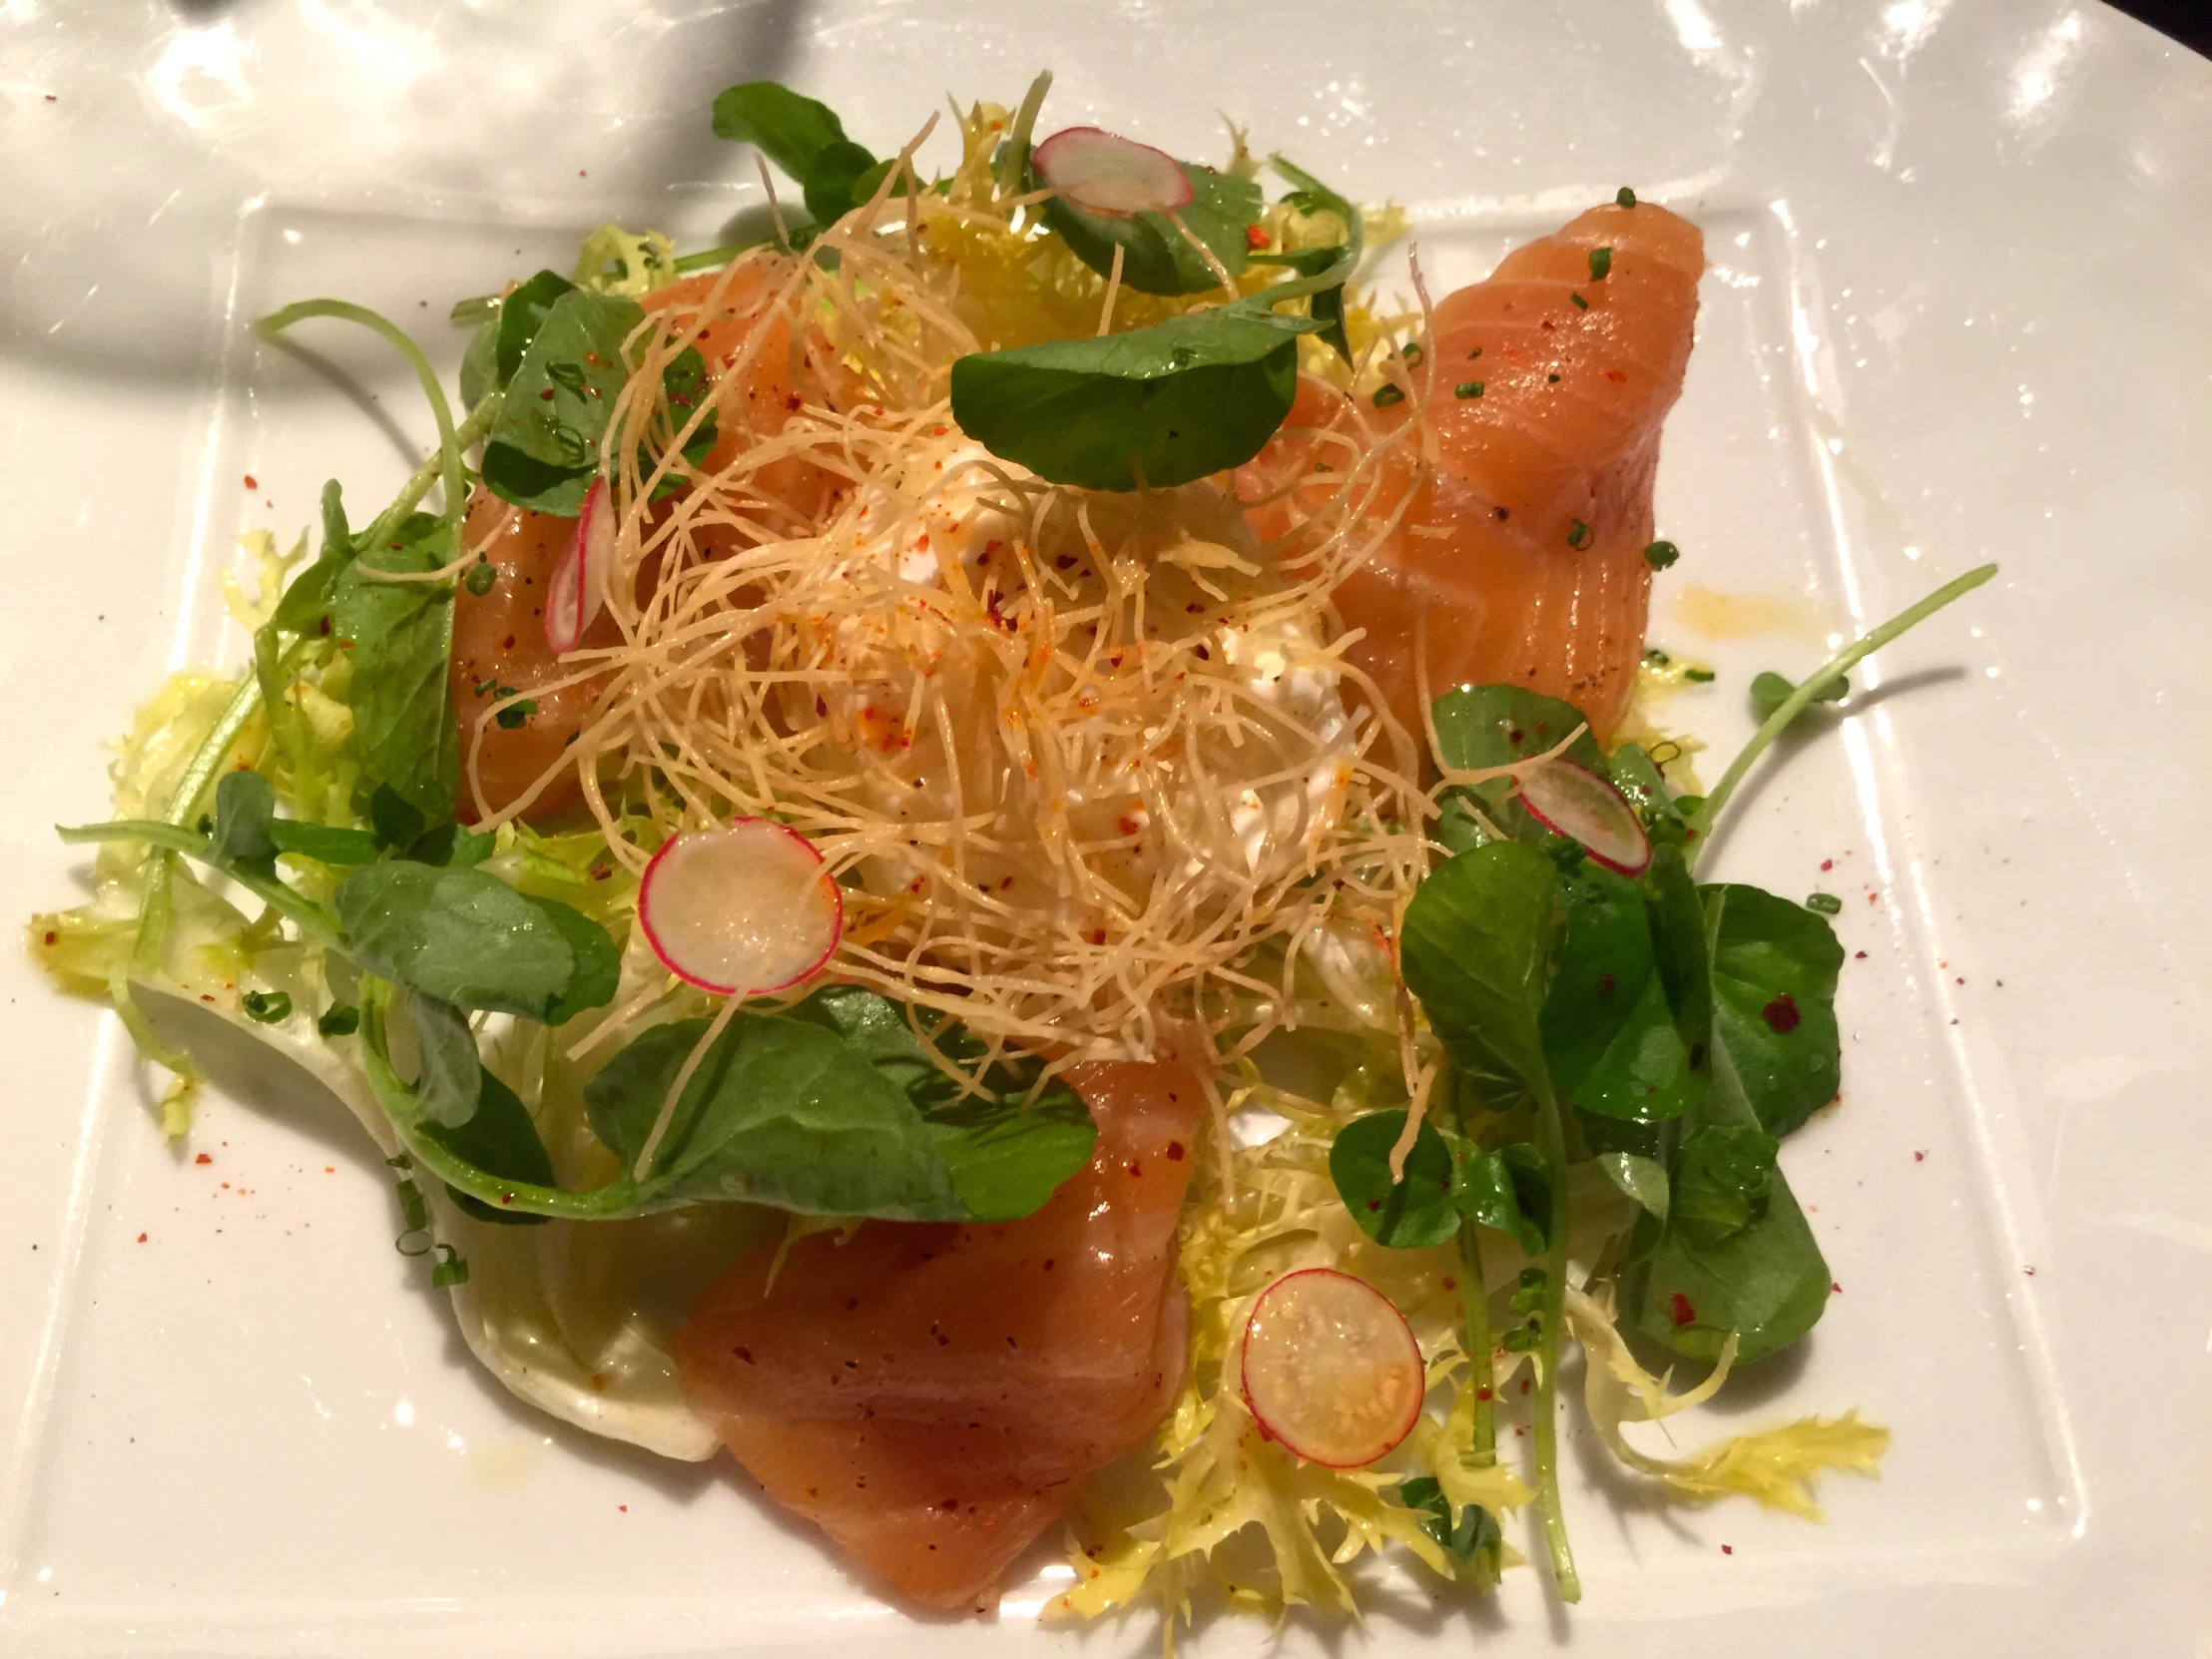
(932, 1396)
(1521, 557)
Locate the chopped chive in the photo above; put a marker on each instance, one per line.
(1413, 351)
(1467, 389)
(1385, 397)
(1578, 534)
(1661, 554)
(342, 1020)
(514, 714)
(1626, 197)
(1580, 304)
(450, 1269)
(1823, 903)
(267, 1007)
(1657, 658)
(1699, 676)
(482, 575)
(1601, 261)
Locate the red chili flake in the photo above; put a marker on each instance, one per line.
(1828, 864)
(2031, 1272)
(329, 1169)
(142, 1238)
(1781, 1014)
(1065, 561)
(744, 1353)
(52, 936)
(1728, 1549)
(1872, 898)
(1616, 377)
(203, 1159)
(1920, 1156)
(1175, 1152)
(546, 396)
(1835, 1289)
(1859, 956)
(624, 1508)
(1961, 980)
(1680, 1310)
(251, 483)
(1254, 238)
(1135, 1168)
(1482, 1393)
(1525, 1384)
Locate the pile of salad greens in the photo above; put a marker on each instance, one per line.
(1649, 1037)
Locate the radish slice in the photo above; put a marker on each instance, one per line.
(1101, 173)
(579, 583)
(1330, 1368)
(741, 910)
(1570, 800)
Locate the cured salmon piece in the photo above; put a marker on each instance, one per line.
(933, 1396)
(1520, 557)
(499, 636)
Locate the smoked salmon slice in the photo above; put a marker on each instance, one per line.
(933, 1396)
(1521, 557)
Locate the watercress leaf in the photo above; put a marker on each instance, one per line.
(1769, 691)
(1325, 281)
(1404, 1215)
(1775, 965)
(307, 601)
(451, 845)
(788, 127)
(501, 1140)
(521, 314)
(545, 447)
(1642, 1179)
(1680, 951)
(1610, 1036)
(1005, 1151)
(597, 969)
(1506, 1191)
(450, 1084)
(779, 1111)
(1156, 257)
(1767, 1282)
(1475, 1532)
(1479, 727)
(1723, 1177)
(461, 935)
(479, 376)
(1475, 947)
(400, 636)
(833, 176)
(398, 824)
(321, 843)
(245, 812)
(1164, 405)
(1639, 779)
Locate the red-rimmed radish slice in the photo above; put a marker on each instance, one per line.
(578, 586)
(1570, 800)
(1102, 173)
(741, 910)
(1330, 1368)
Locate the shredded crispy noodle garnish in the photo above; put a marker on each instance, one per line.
(1081, 761)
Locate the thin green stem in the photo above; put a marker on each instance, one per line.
(171, 840)
(450, 448)
(708, 258)
(397, 1098)
(1474, 1303)
(1810, 688)
(1013, 166)
(1551, 1141)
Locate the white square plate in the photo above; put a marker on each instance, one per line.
(1959, 311)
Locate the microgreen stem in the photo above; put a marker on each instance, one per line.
(1474, 1303)
(172, 838)
(708, 258)
(450, 441)
(1810, 688)
(1013, 165)
(1551, 1140)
